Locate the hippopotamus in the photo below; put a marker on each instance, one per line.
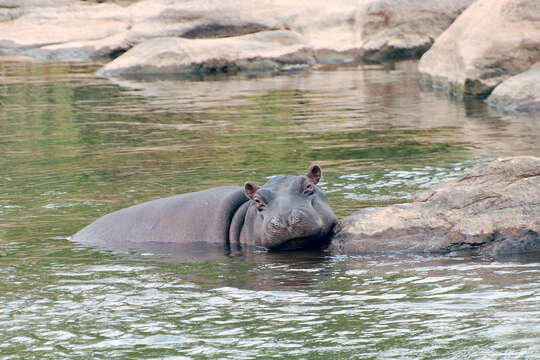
(286, 213)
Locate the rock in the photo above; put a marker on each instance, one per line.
(89, 30)
(337, 32)
(518, 93)
(489, 42)
(493, 210)
(342, 33)
(269, 50)
(12, 9)
(49, 26)
(394, 29)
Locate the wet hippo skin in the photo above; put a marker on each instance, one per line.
(288, 212)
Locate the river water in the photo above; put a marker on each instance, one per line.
(74, 147)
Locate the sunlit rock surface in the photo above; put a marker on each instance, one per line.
(340, 31)
(65, 31)
(489, 42)
(268, 50)
(518, 93)
(492, 210)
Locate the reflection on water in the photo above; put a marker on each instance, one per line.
(76, 147)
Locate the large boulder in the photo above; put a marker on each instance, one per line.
(492, 210)
(335, 32)
(489, 42)
(519, 93)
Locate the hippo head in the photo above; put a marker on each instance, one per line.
(290, 212)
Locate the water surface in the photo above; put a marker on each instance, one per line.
(75, 147)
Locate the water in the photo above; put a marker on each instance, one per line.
(75, 147)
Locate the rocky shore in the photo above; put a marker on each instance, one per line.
(239, 32)
(493, 210)
(468, 48)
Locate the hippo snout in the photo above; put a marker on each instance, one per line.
(299, 229)
(297, 223)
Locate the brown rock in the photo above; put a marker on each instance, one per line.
(492, 210)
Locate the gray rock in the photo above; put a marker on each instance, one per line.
(489, 42)
(519, 93)
(492, 210)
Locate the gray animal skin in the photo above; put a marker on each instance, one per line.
(288, 212)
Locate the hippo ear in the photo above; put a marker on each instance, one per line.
(314, 173)
(250, 189)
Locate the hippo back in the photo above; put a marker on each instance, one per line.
(203, 216)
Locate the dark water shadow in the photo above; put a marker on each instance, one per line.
(205, 76)
(215, 265)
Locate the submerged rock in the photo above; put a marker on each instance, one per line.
(489, 42)
(492, 210)
(519, 93)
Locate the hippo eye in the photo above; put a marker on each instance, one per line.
(259, 203)
(308, 190)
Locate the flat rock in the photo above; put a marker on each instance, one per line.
(269, 50)
(489, 42)
(492, 210)
(37, 30)
(12, 9)
(519, 93)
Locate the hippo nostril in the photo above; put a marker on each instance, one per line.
(295, 218)
(276, 223)
(276, 228)
(301, 220)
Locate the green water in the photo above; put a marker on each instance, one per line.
(74, 147)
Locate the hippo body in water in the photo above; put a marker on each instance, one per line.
(288, 212)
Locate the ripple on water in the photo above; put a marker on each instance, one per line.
(384, 308)
(78, 147)
(70, 204)
(391, 184)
